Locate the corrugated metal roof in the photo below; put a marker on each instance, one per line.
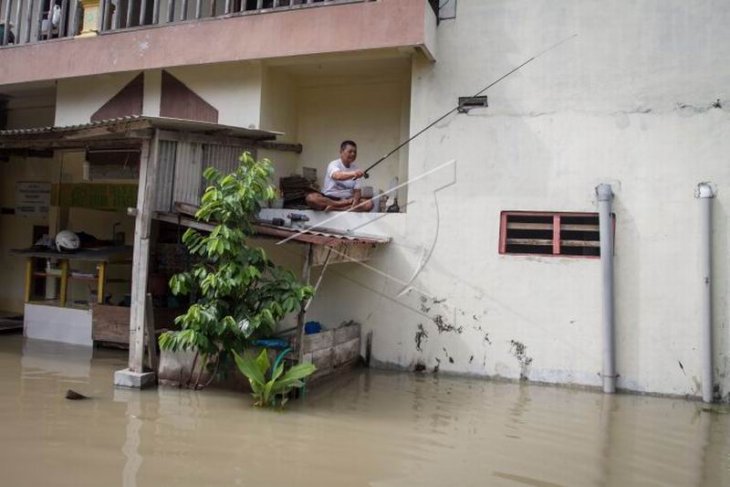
(312, 236)
(316, 237)
(142, 121)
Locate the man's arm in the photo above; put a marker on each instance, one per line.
(345, 175)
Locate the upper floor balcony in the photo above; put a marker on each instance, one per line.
(56, 39)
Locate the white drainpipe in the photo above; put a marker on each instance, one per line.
(605, 199)
(705, 194)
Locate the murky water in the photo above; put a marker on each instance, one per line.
(368, 428)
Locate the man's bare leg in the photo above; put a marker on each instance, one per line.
(317, 201)
(365, 205)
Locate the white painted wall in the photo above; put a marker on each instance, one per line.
(279, 112)
(372, 112)
(17, 231)
(629, 102)
(77, 99)
(31, 109)
(234, 89)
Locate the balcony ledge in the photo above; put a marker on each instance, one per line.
(339, 28)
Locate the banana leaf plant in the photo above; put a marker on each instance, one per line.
(268, 385)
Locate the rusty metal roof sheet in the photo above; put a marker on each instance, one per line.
(317, 237)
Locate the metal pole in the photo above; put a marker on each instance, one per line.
(605, 223)
(62, 23)
(28, 22)
(142, 12)
(705, 194)
(130, 9)
(18, 15)
(74, 24)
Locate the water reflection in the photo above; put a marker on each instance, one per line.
(367, 428)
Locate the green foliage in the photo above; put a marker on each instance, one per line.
(278, 383)
(237, 292)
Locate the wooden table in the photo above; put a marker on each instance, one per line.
(102, 256)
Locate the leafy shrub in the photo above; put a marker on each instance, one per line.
(236, 291)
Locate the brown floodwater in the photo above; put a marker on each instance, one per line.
(370, 427)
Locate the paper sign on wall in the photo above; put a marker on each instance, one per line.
(32, 199)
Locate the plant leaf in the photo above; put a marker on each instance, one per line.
(249, 368)
(262, 362)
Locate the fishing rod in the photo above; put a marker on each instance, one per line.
(456, 108)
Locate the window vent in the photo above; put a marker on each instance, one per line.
(544, 233)
(467, 103)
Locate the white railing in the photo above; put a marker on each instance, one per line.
(32, 21)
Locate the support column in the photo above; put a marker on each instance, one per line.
(134, 375)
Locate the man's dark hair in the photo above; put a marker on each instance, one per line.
(345, 143)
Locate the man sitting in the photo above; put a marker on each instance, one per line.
(341, 184)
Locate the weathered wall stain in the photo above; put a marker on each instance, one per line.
(444, 326)
(446, 352)
(519, 350)
(421, 337)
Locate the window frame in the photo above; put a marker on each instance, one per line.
(556, 223)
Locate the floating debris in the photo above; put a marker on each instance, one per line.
(74, 396)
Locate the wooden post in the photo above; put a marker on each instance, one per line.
(64, 281)
(141, 254)
(319, 279)
(150, 334)
(101, 282)
(306, 269)
(28, 278)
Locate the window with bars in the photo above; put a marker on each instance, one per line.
(550, 233)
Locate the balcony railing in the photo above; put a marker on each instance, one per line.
(30, 21)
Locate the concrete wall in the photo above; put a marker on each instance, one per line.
(79, 98)
(631, 102)
(372, 111)
(17, 231)
(234, 89)
(279, 110)
(34, 109)
(345, 28)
